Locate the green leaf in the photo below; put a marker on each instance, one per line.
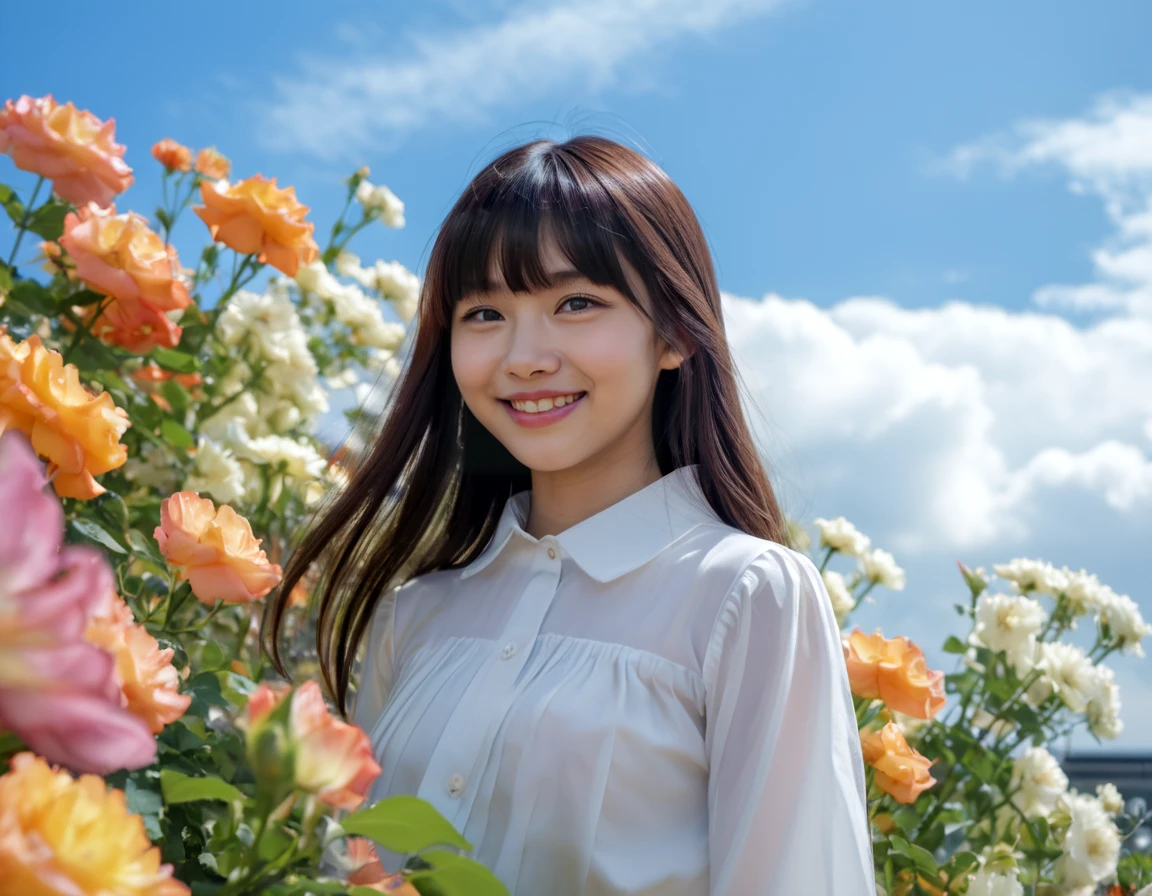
(181, 788)
(35, 297)
(175, 434)
(5, 277)
(455, 875)
(142, 544)
(955, 645)
(48, 220)
(181, 362)
(404, 824)
(164, 218)
(93, 532)
(12, 204)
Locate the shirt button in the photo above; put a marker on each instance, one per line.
(552, 553)
(509, 649)
(455, 785)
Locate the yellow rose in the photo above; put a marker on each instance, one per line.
(74, 149)
(77, 431)
(64, 835)
(256, 216)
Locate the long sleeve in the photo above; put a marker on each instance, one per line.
(376, 666)
(786, 794)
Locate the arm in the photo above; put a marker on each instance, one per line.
(786, 795)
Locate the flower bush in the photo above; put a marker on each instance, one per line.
(144, 745)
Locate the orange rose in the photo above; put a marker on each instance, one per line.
(77, 431)
(901, 772)
(214, 550)
(153, 373)
(149, 683)
(135, 326)
(368, 872)
(212, 164)
(333, 759)
(74, 149)
(120, 256)
(255, 215)
(60, 834)
(172, 155)
(895, 671)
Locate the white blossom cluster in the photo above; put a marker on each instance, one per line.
(1090, 838)
(1085, 595)
(378, 200)
(875, 566)
(248, 432)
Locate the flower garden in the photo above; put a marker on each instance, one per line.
(158, 453)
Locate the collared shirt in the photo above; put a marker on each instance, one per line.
(649, 702)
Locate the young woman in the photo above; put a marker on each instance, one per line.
(587, 643)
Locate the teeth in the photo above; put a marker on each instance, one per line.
(544, 404)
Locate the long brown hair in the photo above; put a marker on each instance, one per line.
(433, 483)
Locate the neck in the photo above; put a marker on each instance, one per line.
(563, 498)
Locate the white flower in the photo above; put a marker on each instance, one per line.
(1068, 672)
(342, 379)
(216, 472)
(986, 882)
(297, 459)
(348, 264)
(399, 285)
(315, 277)
(153, 468)
(1123, 617)
(842, 600)
(1110, 799)
(1082, 591)
(1033, 575)
(382, 201)
(1091, 845)
(363, 317)
(997, 726)
(1009, 623)
(1104, 705)
(1042, 782)
(880, 566)
(843, 536)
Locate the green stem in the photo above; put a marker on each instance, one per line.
(238, 280)
(24, 219)
(83, 330)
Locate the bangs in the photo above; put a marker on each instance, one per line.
(503, 222)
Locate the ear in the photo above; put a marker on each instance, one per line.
(672, 357)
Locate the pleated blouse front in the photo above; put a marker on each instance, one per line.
(650, 702)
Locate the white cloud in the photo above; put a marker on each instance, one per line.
(337, 107)
(1107, 153)
(970, 432)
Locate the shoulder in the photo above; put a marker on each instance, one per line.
(777, 593)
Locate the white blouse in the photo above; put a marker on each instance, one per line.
(650, 702)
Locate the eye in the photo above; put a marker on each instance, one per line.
(590, 303)
(472, 315)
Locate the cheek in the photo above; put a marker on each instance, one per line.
(619, 355)
(471, 365)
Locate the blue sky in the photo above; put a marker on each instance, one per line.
(934, 221)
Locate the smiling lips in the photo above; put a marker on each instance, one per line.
(542, 411)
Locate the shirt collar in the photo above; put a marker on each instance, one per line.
(620, 538)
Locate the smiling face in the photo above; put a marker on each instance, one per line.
(514, 354)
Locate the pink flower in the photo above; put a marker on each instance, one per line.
(332, 759)
(71, 147)
(58, 693)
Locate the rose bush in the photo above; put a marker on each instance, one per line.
(173, 410)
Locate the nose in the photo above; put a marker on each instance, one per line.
(530, 351)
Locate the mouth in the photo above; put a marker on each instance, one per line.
(544, 411)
